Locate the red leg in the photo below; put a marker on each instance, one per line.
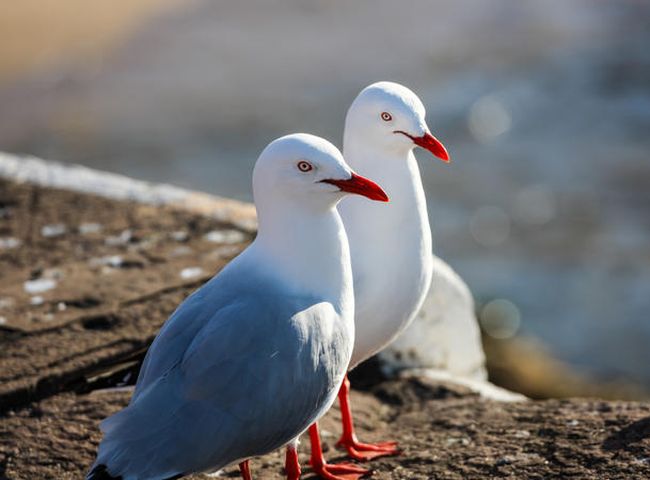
(356, 449)
(245, 470)
(326, 471)
(291, 464)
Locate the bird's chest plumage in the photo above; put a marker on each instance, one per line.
(390, 246)
(390, 282)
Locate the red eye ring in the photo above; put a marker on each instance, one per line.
(304, 166)
(386, 117)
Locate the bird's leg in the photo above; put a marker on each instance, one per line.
(326, 471)
(245, 470)
(291, 464)
(356, 449)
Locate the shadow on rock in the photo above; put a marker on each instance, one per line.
(634, 433)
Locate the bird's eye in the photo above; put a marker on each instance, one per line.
(386, 117)
(304, 166)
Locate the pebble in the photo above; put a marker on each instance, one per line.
(225, 236)
(53, 230)
(121, 239)
(86, 228)
(36, 300)
(452, 441)
(9, 242)
(39, 285)
(191, 272)
(114, 261)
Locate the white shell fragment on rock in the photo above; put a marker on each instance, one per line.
(121, 239)
(87, 228)
(36, 300)
(39, 285)
(9, 242)
(191, 272)
(225, 236)
(224, 251)
(53, 230)
(114, 261)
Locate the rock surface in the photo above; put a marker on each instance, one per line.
(79, 307)
(445, 431)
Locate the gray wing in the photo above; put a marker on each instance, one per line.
(173, 339)
(255, 376)
(190, 317)
(285, 370)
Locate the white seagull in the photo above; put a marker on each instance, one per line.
(258, 353)
(390, 246)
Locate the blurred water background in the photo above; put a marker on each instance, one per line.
(544, 106)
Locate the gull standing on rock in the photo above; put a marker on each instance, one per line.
(390, 247)
(257, 354)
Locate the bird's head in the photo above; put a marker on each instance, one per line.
(310, 170)
(392, 117)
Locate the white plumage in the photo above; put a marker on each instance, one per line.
(390, 246)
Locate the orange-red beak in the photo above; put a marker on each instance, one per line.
(360, 186)
(431, 143)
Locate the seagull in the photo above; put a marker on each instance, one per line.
(390, 247)
(257, 354)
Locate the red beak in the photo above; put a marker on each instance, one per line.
(361, 186)
(431, 143)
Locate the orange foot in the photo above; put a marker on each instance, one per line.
(340, 471)
(328, 471)
(367, 451)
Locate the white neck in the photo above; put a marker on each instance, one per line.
(306, 247)
(404, 217)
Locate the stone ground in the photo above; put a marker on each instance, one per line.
(116, 270)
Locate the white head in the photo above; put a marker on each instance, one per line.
(392, 117)
(308, 171)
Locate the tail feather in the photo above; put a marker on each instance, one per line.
(134, 447)
(101, 473)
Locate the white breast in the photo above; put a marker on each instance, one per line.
(390, 245)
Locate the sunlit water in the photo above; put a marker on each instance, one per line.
(544, 106)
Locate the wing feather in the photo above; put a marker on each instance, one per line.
(228, 377)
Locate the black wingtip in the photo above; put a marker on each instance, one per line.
(101, 473)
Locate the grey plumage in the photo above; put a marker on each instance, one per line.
(234, 373)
